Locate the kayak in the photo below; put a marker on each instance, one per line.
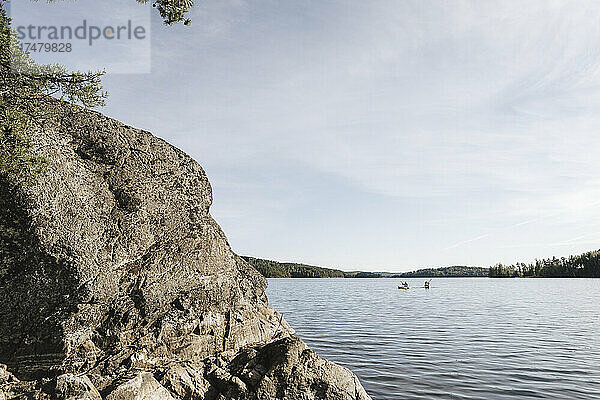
(403, 287)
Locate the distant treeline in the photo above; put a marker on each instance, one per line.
(362, 274)
(586, 265)
(274, 269)
(457, 271)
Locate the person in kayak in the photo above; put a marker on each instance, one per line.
(427, 284)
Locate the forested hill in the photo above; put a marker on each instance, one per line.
(586, 265)
(274, 269)
(445, 272)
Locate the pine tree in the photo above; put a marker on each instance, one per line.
(26, 91)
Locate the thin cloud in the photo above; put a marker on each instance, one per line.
(467, 241)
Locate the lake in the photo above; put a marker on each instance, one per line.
(465, 338)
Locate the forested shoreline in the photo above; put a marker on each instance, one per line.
(445, 272)
(276, 269)
(586, 265)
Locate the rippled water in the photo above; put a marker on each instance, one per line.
(469, 338)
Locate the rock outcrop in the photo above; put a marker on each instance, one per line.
(116, 283)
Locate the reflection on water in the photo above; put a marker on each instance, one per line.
(465, 338)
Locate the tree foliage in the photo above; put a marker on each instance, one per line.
(171, 11)
(586, 265)
(26, 93)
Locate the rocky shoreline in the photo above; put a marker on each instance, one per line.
(117, 284)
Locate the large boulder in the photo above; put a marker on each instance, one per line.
(143, 387)
(111, 266)
(288, 369)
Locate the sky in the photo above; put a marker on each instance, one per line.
(384, 135)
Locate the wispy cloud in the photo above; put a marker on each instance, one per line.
(467, 241)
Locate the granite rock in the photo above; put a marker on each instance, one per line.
(116, 281)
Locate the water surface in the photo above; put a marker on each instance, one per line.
(465, 338)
